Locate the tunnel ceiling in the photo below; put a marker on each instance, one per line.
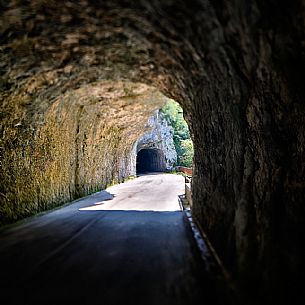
(49, 48)
(113, 103)
(66, 46)
(237, 68)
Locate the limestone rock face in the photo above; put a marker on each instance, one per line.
(159, 136)
(72, 145)
(236, 67)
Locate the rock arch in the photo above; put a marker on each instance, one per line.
(237, 70)
(150, 160)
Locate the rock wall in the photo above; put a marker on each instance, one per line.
(159, 136)
(77, 144)
(236, 67)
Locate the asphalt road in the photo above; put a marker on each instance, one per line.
(130, 244)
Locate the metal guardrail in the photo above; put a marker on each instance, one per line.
(188, 183)
(188, 193)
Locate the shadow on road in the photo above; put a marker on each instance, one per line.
(107, 257)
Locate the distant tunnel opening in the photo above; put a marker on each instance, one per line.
(150, 160)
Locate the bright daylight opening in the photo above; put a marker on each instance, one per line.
(164, 147)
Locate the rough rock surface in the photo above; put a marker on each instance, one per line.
(72, 145)
(236, 67)
(159, 136)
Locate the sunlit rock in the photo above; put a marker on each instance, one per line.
(159, 137)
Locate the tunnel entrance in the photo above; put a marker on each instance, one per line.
(150, 160)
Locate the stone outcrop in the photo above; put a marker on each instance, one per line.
(160, 137)
(237, 68)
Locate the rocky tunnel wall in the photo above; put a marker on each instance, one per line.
(77, 144)
(237, 68)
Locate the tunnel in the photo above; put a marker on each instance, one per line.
(150, 160)
(79, 80)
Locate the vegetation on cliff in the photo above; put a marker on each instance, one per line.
(182, 140)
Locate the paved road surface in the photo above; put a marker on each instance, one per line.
(154, 192)
(129, 244)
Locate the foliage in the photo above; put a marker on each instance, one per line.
(187, 153)
(173, 113)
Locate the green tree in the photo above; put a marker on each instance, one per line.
(184, 146)
(187, 153)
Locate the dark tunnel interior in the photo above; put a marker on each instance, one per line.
(79, 81)
(150, 160)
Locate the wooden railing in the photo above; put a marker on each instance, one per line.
(186, 170)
